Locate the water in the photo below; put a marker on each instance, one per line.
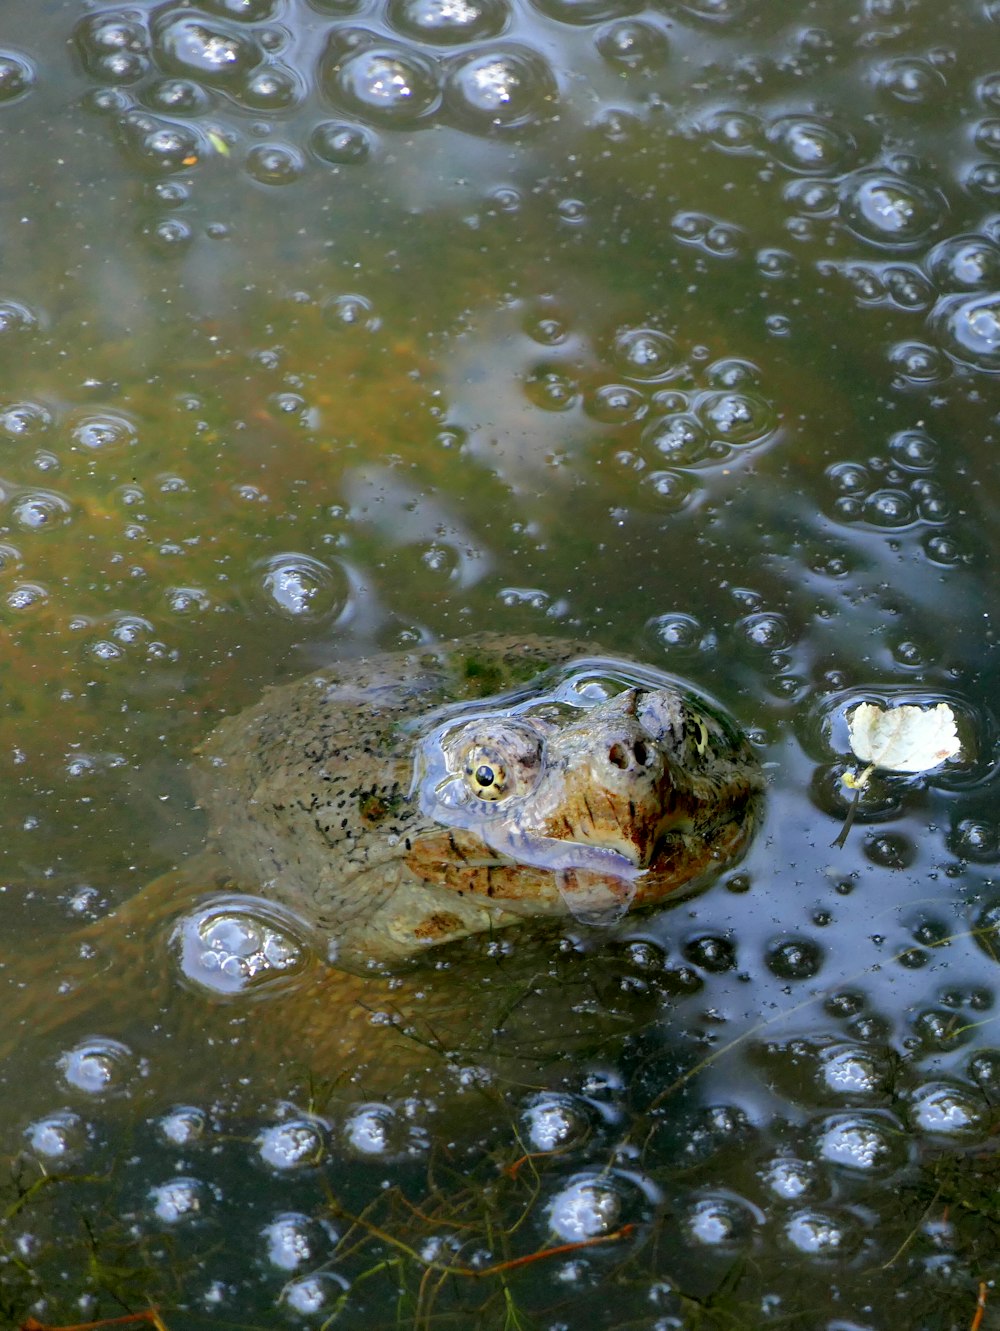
(327, 328)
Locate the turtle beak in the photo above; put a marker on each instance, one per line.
(619, 789)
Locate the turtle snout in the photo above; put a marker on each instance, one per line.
(631, 754)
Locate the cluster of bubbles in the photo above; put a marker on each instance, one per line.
(81, 456)
(669, 412)
(233, 944)
(902, 489)
(428, 62)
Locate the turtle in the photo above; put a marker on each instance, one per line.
(381, 810)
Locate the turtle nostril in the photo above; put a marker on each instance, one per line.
(618, 756)
(641, 753)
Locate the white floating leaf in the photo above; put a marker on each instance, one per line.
(903, 739)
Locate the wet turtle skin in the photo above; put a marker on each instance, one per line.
(414, 798)
(388, 805)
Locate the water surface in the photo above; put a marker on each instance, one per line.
(334, 327)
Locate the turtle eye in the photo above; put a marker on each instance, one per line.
(486, 776)
(700, 734)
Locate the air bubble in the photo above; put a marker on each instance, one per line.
(340, 143)
(16, 319)
(158, 144)
(292, 1240)
(586, 11)
(969, 327)
(645, 354)
(720, 1222)
(943, 1109)
(711, 953)
(102, 433)
(864, 1144)
(889, 210)
(449, 21)
(238, 944)
(177, 97)
(549, 388)
(733, 131)
(274, 163)
(912, 81)
(58, 1138)
(616, 404)
(316, 1295)
(386, 83)
(25, 420)
(40, 510)
(298, 587)
(766, 630)
(821, 1234)
(788, 1179)
(965, 263)
(810, 145)
(918, 363)
(794, 959)
(589, 1206)
(632, 44)
(502, 87)
(676, 632)
(187, 601)
(736, 418)
(209, 51)
(292, 1146)
(554, 1122)
(679, 439)
(915, 450)
(182, 1127)
(244, 11)
(17, 76)
(180, 1201)
(672, 490)
(271, 88)
(350, 310)
(98, 1067)
(851, 1070)
(378, 1131)
(890, 509)
(114, 47)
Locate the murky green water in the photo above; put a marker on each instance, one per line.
(334, 327)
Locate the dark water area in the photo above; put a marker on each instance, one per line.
(348, 326)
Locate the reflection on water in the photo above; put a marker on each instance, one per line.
(328, 326)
